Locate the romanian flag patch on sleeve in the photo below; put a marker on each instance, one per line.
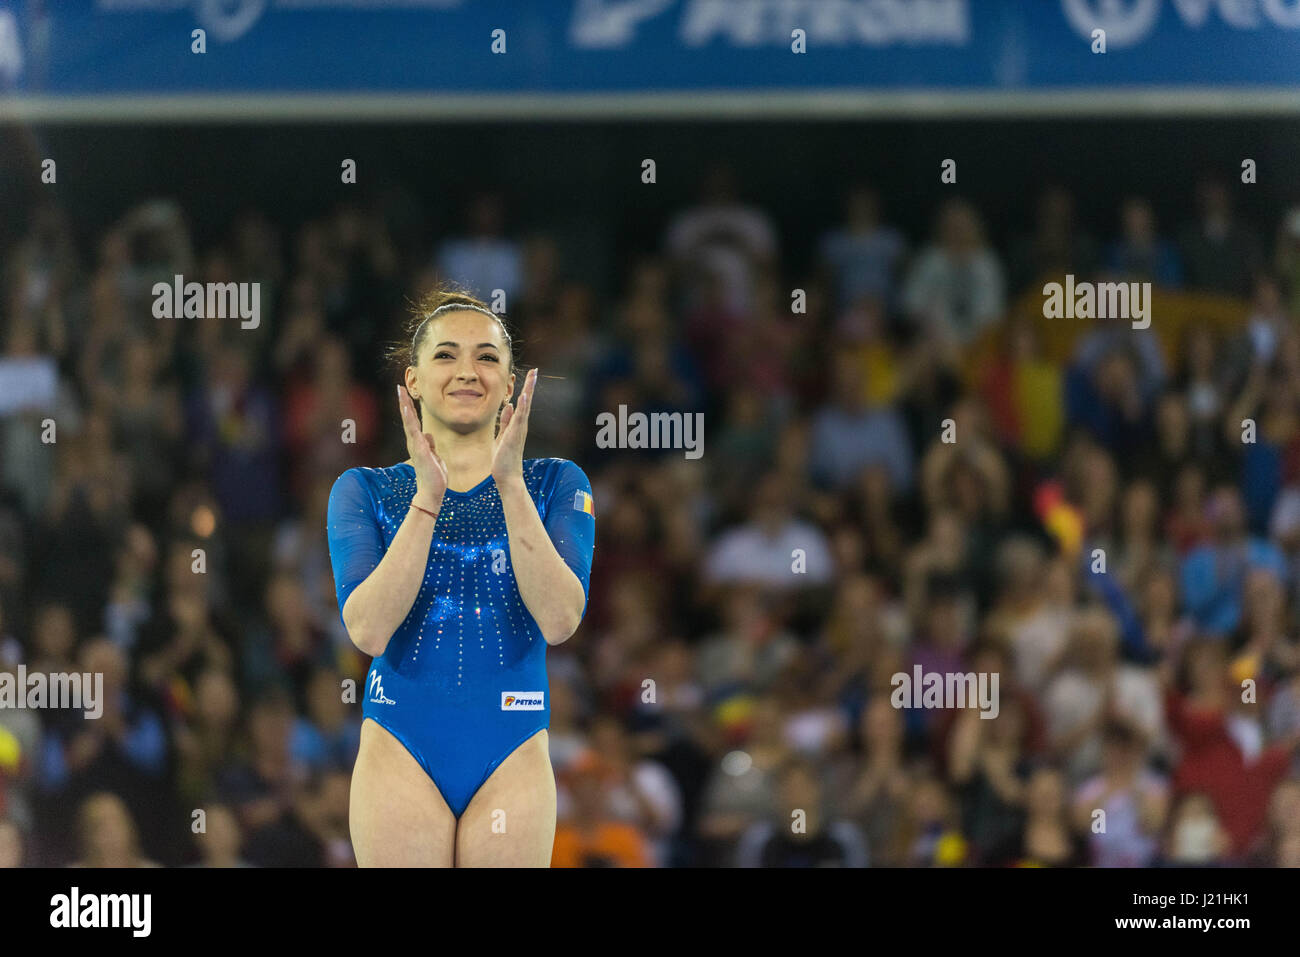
(582, 502)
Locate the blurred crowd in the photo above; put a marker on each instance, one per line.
(1100, 529)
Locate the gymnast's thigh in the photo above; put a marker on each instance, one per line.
(510, 822)
(397, 816)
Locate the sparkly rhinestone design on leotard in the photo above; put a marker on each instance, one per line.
(468, 618)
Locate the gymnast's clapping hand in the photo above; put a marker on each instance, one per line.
(430, 470)
(508, 451)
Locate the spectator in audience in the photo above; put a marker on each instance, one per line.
(1122, 808)
(799, 834)
(1221, 254)
(721, 240)
(591, 836)
(1222, 759)
(220, 839)
(773, 547)
(483, 259)
(1140, 255)
(1057, 246)
(861, 259)
(1214, 574)
(1196, 838)
(955, 288)
(848, 437)
(1047, 837)
(108, 835)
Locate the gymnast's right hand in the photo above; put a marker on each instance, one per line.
(430, 472)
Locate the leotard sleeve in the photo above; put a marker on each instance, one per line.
(571, 523)
(356, 542)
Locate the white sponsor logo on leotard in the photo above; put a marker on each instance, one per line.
(523, 700)
(377, 695)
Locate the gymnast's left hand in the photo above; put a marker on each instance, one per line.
(508, 452)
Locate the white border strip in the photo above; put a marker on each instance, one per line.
(834, 104)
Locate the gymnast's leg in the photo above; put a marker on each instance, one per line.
(510, 822)
(397, 816)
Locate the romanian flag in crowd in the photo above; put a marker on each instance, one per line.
(1061, 519)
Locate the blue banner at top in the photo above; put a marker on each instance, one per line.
(147, 47)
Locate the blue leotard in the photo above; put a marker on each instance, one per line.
(462, 682)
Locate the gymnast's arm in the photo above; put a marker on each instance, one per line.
(552, 559)
(377, 606)
(377, 587)
(551, 591)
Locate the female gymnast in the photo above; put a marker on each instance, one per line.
(455, 570)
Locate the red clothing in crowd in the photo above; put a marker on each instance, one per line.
(1213, 764)
(314, 438)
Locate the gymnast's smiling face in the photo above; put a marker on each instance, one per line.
(462, 372)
